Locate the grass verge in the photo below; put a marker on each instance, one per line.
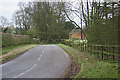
(5, 50)
(11, 52)
(91, 67)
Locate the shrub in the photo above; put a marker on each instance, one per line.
(74, 42)
(35, 41)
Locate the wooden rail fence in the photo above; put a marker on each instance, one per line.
(103, 52)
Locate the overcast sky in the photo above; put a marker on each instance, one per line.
(8, 7)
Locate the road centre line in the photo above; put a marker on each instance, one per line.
(39, 58)
(25, 71)
(40, 55)
(31, 67)
(43, 52)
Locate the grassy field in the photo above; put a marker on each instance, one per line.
(91, 67)
(12, 51)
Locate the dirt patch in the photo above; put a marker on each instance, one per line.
(72, 69)
(9, 53)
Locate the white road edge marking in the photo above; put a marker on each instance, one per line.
(25, 71)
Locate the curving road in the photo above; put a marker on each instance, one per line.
(44, 61)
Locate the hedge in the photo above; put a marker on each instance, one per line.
(13, 39)
(35, 41)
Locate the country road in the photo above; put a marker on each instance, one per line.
(43, 61)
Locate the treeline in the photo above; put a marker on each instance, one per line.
(47, 20)
(43, 20)
(102, 26)
(99, 20)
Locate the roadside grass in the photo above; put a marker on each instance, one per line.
(91, 66)
(15, 50)
(5, 50)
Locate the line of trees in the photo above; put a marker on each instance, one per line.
(99, 20)
(43, 19)
(47, 20)
(102, 28)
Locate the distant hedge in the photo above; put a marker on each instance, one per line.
(13, 39)
(35, 41)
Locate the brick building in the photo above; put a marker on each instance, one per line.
(76, 34)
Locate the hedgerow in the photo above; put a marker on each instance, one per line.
(14, 39)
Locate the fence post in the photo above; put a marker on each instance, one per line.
(113, 53)
(90, 48)
(84, 47)
(107, 48)
(107, 52)
(94, 49)
(81, 47)
(97, 48)
(87, 47)
(102, 52)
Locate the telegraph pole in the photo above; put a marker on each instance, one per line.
(81, 29)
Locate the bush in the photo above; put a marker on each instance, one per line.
(74, 42)
(13, 39)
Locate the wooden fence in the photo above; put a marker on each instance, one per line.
(103, 52)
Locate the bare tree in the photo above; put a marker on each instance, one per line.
(3, 21)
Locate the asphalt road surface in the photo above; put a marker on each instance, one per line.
(44, 61)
